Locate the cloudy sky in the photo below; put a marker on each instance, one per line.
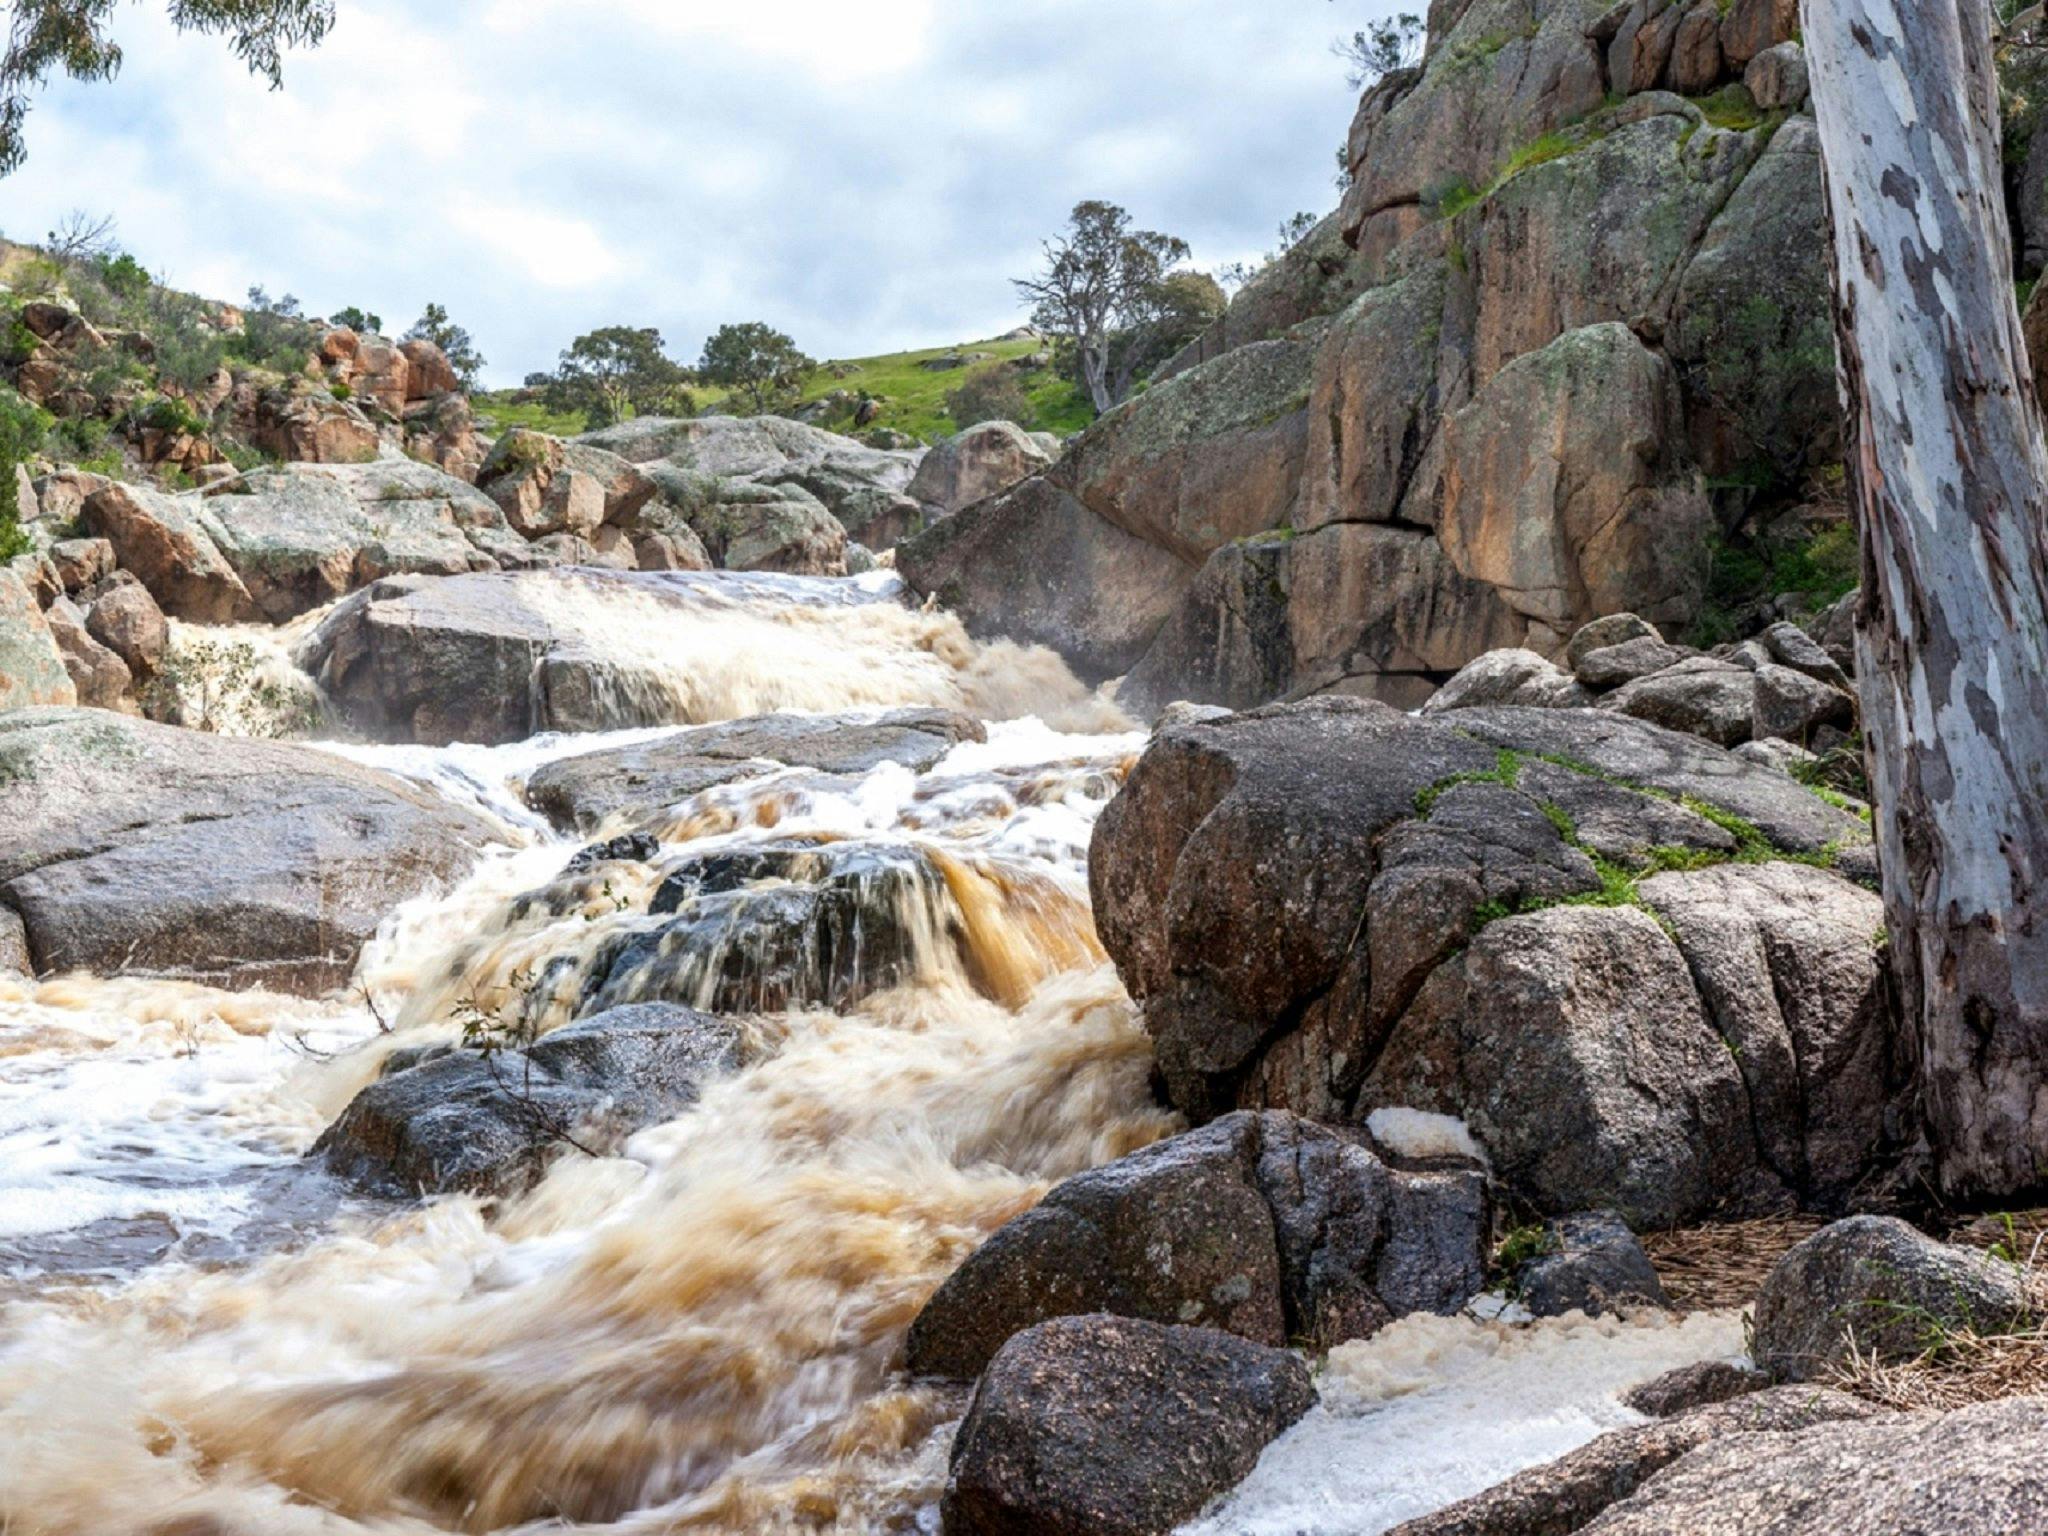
(865, 176)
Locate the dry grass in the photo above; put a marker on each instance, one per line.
(1723, 1263)
(1959, 1368)
(1959, 1365)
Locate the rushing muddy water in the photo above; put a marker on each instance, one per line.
(202, 1334)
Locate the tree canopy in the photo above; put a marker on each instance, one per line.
(758, 363)
(1117, 297)
(454, 341)
(72, 35)
(615, 372)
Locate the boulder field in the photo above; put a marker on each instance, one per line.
(1579, 273)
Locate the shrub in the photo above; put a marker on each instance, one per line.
(990, 394)
(22, 427)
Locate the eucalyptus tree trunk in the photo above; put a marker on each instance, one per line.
(1949, 480)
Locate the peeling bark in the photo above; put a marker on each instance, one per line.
(1949, 478)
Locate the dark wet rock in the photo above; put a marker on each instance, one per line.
(634, 847)
(1590, 1262)
(583, 791)
(465, 1121)
(1110, 1426)
(1885, 1282)
(1570, 1494)
(776, 927)
(144, 848)
(1694, 1386)
(1979, 1471)
(1264, 1225)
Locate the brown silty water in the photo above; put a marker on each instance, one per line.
(700, 1332)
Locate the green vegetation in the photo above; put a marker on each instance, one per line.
(1619, 883)
(910, 397)
(760, 368)
(1817, 565)
(1733, 108)
(21, 429)
(1454, 197)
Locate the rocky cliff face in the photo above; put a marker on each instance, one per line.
(1577, 279)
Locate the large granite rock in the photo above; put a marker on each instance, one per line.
(301, 535)
(581, 793)
(1572, 1493)
(1882, 1282)
(1109, 1426)
(985, 460)
(143, 848)
(1036, 565)
(744, 525)
(1566, 487)
(1333, 907)
(484, 1123)
(1979, 1471)
(32, 669)
(1564, 295)
(168, 543)
(500, 656)
(862, 489)
(1263, 1225)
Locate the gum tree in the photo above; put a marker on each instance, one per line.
(44, 36)
(1949, 479)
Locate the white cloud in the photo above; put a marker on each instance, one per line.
(866, 177)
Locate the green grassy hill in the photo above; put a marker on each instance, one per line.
(913, 397)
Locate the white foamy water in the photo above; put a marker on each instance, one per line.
(1434, 1409)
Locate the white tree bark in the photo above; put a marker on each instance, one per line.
(1949, 477)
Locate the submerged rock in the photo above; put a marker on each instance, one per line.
(584, 791)
(773, 927)
(146, 849)
(1110, 1426)
(1263, 1225)
(463, 1121)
